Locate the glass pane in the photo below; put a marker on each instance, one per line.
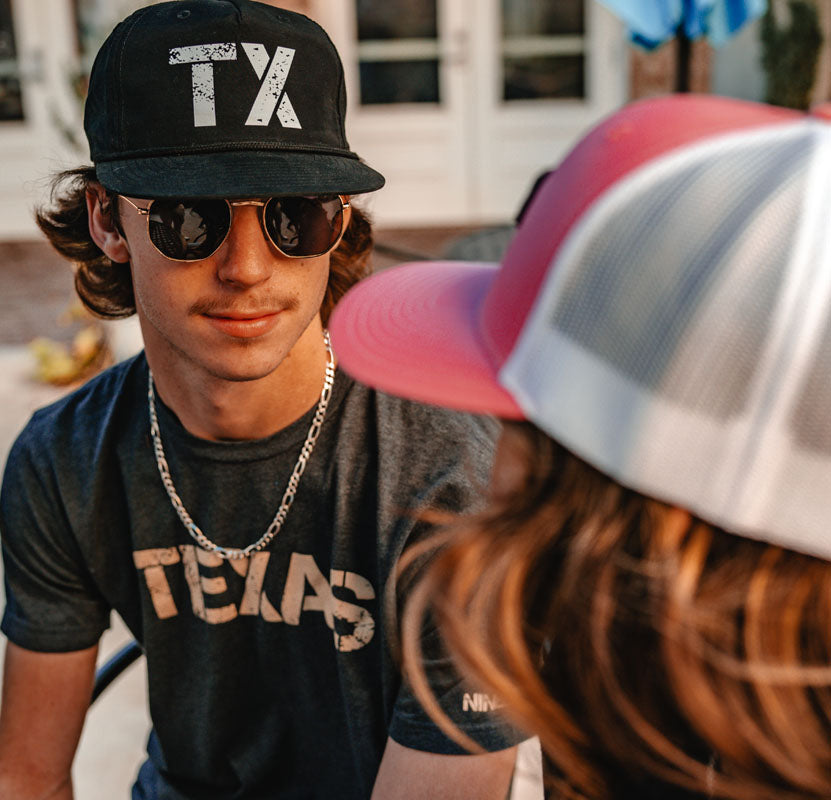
(535, 78)
(543, 49)
(399, 82)
(542, 17)
(387, 19)
(11, 99)
(398, 51)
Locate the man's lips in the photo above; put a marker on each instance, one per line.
(243, 324)
(241, 314)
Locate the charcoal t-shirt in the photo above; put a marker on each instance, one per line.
(269, 677)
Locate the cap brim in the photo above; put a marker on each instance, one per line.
(413, 331)
(242, 173)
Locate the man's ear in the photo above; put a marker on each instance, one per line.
(102, 227)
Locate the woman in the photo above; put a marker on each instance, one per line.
(649, 587)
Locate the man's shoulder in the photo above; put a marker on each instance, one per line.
(437, 427)
(419, 426)
(420, 452)
(87, 409)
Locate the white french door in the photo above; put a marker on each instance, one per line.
(36, 51)
(462, 103)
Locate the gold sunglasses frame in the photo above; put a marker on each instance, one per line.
(145, 212)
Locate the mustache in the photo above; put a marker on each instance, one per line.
(252, 306)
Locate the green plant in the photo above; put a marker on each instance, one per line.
(790, 54)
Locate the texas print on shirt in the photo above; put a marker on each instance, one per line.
(203, 572)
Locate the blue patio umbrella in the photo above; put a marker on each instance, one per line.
(652, 22)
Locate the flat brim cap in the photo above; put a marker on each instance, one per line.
(239, 174)
(221, 98)
(414, 331)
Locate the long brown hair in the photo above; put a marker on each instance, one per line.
(106, 287)
(650, 651)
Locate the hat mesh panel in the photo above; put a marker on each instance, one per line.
(809, 420)
(650, 294)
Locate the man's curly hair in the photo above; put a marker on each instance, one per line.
(106, 287)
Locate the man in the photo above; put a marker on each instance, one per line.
(235, 499)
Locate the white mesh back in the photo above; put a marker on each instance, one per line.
(682, 343)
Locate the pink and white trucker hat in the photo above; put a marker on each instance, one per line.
(663, 311)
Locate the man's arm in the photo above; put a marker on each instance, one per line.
(45, 701)
(407, 774)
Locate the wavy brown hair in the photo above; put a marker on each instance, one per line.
(106, 287)
(655, 655)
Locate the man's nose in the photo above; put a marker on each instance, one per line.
(247, 258)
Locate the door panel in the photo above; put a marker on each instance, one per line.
(406, 101)
(398, 52)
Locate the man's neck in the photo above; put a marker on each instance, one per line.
(214, 408)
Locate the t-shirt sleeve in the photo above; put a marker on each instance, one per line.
(457, 489)
(52, 604)
(475, 713)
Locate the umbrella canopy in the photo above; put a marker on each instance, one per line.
(652, 22)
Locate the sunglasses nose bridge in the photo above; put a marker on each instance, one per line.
(260, 205)
(246, 258)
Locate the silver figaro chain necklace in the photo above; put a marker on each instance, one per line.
(273, 529)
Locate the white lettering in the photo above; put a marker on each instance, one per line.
(201, 57)
(272, 74)
(272, 86)
(206, 574)
(152, 563)
(303, 569)
(363, 625)
(200, 585)
(477, 701)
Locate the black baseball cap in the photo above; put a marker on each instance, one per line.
(221, 98)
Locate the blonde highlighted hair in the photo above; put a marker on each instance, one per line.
(653, 654)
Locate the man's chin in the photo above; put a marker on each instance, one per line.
(240, 375)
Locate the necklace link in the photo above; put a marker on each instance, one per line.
(233, 553)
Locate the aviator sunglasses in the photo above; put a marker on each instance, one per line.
(195, 228)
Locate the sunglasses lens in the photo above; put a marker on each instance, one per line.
(304, 226)
(187, 230)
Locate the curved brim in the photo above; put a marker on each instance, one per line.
(413, 331)
(239, 173)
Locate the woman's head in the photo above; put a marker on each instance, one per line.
(649, 586)
(662, 311)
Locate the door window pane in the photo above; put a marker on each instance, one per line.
(552, 77)
(398, 51)
(399, 82)
(543, 18)
(543, 49)
(11, 98)
(388, 19)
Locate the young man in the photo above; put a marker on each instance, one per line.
(239, 502)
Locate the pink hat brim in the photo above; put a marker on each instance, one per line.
(413, 331)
